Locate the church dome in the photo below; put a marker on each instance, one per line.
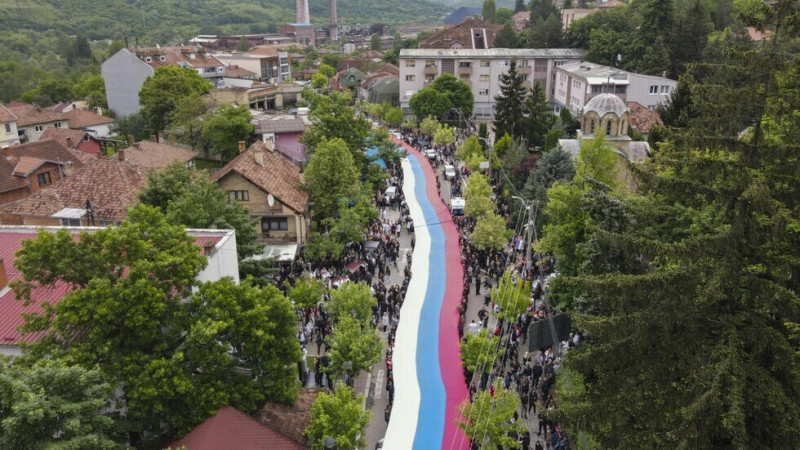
(606, 103)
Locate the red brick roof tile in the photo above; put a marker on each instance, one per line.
(79, 118)
(153, 155)
(31, 114)
(232, 429)
(278, 177)
(6, 115)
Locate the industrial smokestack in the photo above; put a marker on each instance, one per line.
(302, 12)
(334, 27)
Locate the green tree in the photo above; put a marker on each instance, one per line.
(477, 195)
(442, 96)
(326, 70)
(338, 415)
(161, 92)
(489, 418)
(187, 121)
(503, 16)
(333, 119)
(394, 117)
(490, 233)
(129, 284)
(471, 152)
(331, 175)
(133, 125)
(519, 5)
(192, 200)
(510, 104)
(506, 37)
(512, 295)
(444, 135)
(429, 125)
(375, 42)
(517, 164)
(319, 81)
(554, 166)
(242, 45)
(352, 300)
(489, 11)
(538, 117)
(430, 103)
(306, 292)
(244, 336)
(225, 127)
(93, 89)
(354, 347)
(53, 405)
(478, 352)
(501, 146)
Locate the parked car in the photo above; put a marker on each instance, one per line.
(449, 172)
(457, 205)
(430, 153)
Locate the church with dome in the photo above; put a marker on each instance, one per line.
(607, 114)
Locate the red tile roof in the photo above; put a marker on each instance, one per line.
(642, 119)
(26, 165)
(6, 115)
(30, 115)
(11, 309)
(79, 118)
(153, 155)
(234, 71)
(47, 150)
(109, 184)
(290, 420)
(232, 429)
(61, 134)
(278, 177)
(192, 56)
(264, 51)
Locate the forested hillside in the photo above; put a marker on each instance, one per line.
(167, 21)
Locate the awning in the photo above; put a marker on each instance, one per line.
(283, 253)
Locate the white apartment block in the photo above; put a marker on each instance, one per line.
(481, 70)
(578, 82)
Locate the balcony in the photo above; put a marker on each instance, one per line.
(524, 70)
(431, 70)
(465, 70)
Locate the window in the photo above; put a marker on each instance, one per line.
(597, 89)
(503, 63)
(8, 128)
(483, 92)
(57, 124)
(484, 78)
(241, 196)
(608, 128)
(38, 128)
(465, 78)
(428, 78)
(411, 63)
(523, 64)
(410, 77)
(653, 89)
(274, 224)
(665, 89)
(466, 64)
(70, 222)
(484, 63)
(558, 63)
(44, 179)
(430, 63)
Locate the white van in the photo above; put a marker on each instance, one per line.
(391, 191)
(457, 205)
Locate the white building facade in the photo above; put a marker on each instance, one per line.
(578, 82)
(481, 70)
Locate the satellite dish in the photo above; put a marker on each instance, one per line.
(270, 200)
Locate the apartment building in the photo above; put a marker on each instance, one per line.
(481, 70)
(578, 82)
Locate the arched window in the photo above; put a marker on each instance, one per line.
(608, 127)
(593, 125)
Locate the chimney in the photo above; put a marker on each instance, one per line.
(131, 139)
(137, 145)
(121, 155)
(153, 138)
(258, 155)
(270, 144)
(69, 170)
(241, 146)
(69, 142)
(3, 276)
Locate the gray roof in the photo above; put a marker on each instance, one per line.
(492, 53)
(294, 125)
(606, 103)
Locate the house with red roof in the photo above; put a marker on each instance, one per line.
(29, 168)
(231, 429)
(219, 247)
(8, 128)
(269, 185)
(83, 143)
